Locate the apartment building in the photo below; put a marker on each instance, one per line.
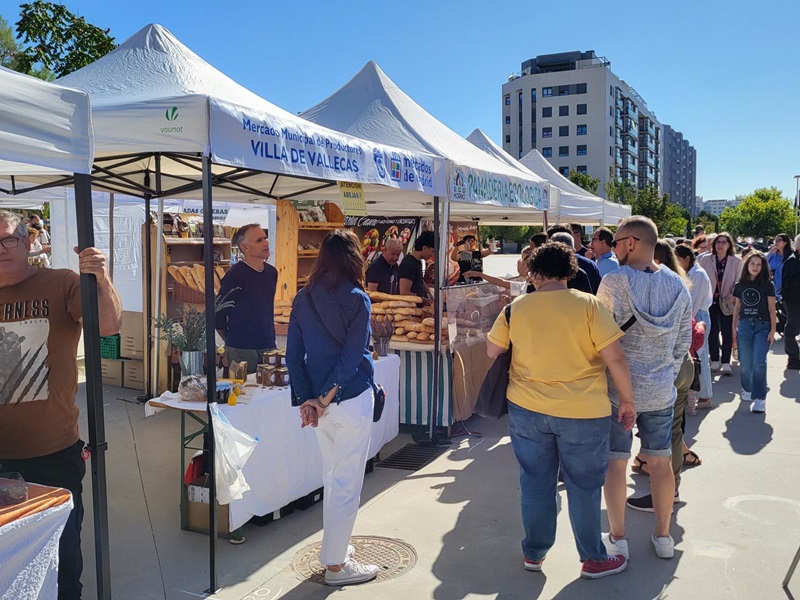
(715, 207)
(680, 170)
(573, 109)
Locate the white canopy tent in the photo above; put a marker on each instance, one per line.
(373, 107)
(47, 128)
(565, 205)
(574, 198)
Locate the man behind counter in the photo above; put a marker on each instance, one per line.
(248, 327)
(382, 274)
(410, 272)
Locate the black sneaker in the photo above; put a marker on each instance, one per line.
(793, 364)
(645, 503)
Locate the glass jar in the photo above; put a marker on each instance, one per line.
(282, 377)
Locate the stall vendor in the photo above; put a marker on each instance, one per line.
(382, 274)
(470, 256)
(412, 282)
(247, 326)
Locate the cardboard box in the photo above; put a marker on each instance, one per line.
(112, 371)
(133, 375)
(132, 335)
(197, 509)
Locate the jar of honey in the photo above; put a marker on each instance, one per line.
(271, 358)
(282, 376)
(261, 374)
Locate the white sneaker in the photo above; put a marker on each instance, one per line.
(616, 546)
(747, 396)
(351, 572)
(758, 406)
(726, 369)
(715, 365)
(665, 546)
(351, 551)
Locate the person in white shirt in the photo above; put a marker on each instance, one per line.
(600, 245)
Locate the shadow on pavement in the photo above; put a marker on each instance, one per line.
(747, 433)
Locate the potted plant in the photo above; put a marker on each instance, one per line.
(188, 333)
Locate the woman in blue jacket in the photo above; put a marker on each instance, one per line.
(330, 366)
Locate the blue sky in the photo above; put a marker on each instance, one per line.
(725, 73)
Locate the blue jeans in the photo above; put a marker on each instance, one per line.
(580, 446)
(706, 385)
(751, 338)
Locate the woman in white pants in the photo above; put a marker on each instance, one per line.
(330, 366)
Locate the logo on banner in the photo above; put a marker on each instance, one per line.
(377, 156)
(171, 113)
(396, 168)
(458, 189)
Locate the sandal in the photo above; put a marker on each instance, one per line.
(638, 466)
(690, 459)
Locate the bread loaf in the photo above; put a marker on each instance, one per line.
(428, 321)
(284, 320)
(176, 274)
(220, 272)
(283, 303)
(400, 331)
(399, 304)
(381, 297)
(407, 311)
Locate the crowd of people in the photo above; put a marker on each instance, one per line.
(636, 328)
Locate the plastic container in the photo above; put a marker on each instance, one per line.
(109, 346)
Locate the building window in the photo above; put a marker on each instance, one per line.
(564, 171)
(563, 111)
(533, 94)
(547, 132)
(581, 130)
(508, 139)
(563, 150)
(563, 130)
(581, 88)
(563, 90)
(519, 96)
(582, 150)
(583, 169)
(610, 150)
(547, 111)
(548, 91)
(581, 109)
(508, 100)
(610, 131)
(547, 151)
(533, 137)
(508, 120)
(610, 90)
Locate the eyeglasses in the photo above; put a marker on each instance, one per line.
(10, 242)
(722, 241)
(618, 240)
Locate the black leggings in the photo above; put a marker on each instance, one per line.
(720, 324)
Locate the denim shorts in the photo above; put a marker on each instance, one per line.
(653, 428)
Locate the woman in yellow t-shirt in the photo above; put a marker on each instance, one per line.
(559, 412)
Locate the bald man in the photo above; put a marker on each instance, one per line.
(655, 306)
(382, 273)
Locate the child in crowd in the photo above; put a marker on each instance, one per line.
(754, 322)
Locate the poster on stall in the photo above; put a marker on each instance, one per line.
(373, 232)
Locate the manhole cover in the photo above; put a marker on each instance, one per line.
(394, 558)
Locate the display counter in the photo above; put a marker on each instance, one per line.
(286, 464)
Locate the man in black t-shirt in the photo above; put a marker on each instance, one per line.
(248, 327)
(382, 274)
(410, 273)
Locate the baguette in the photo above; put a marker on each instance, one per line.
(399, 338)
(188, 276)
(399, 304)
(283, 303)
(378, 310)
(429, 321)
(176, 274)
(283, 320)
(200, 277)
(220, 272)
(407, 311)
(399, 331)
(412, 335)
(380, 318)
(287, 312)
(381, 297)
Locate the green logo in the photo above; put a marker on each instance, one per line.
(171, 113)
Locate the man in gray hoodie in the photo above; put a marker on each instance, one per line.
(655, 344)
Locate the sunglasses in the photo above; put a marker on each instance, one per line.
(617, 241)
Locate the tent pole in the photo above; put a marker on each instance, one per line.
(156, 360)
(148, 305)
(211, 371)
(94, 389)
(111, 236)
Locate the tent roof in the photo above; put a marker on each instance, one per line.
(43, 125)
(373, 107)
(573, 195)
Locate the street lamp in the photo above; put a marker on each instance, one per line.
(796, 200)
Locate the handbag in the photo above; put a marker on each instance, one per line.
(377, 390)
(696, 381)
(492, 402)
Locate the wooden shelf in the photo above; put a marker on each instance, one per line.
(189, 263)
(307, 253)
(176, 241)
(302, 280)
(319, 226)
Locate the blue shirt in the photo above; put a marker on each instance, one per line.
(606, 263)
(315, 360)
(249, 324)
(775, 261)
(591, 271)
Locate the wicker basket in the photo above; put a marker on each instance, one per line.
(183, 293)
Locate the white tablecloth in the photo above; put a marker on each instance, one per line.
(29, 554)
(286, 464)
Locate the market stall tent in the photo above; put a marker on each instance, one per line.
(565, 204)
(47, 128)
(572, 195)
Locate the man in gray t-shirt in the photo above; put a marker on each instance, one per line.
(655, 345)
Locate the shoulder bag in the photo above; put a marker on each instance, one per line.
(377, 389)
(492, 402)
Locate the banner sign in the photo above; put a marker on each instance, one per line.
(354, 204)
(257, 140)
(473, 186)
(374, 231)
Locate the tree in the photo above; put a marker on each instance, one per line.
(584, 180)
(708, 221)
(761, 214)
(621, 192)
(57, 41)
(9, 48)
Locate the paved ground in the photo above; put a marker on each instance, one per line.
(736, 531)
